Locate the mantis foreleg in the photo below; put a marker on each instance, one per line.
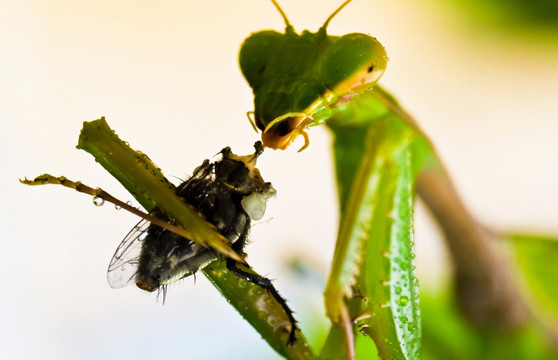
(377, 157)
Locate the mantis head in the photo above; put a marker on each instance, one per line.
(297, 78)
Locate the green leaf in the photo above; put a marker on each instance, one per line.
(447, 334)
(537, 258)
(147, 184)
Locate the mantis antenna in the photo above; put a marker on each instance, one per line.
(287, 23)
(324, 26)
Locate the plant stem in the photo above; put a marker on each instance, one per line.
(485, 286)
(486, 290)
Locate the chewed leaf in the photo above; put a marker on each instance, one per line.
(123, 265)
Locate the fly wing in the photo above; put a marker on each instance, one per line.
(124, 263)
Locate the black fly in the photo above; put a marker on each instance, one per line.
(228, 193)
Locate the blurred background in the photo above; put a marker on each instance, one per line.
(482, 80)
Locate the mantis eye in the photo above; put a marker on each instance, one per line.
(353, 61)
(256, 53)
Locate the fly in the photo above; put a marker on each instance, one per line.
(229, 193)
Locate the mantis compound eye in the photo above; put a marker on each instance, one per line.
(351, 62)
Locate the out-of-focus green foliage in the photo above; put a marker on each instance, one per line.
(537, 257)
(448, 335)
(537, 14)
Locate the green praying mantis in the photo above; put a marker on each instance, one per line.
(311, 79)
(382, 159)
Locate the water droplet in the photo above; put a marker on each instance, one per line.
(403, 300)
(398, 290)
(97, 201)
(129, 203)
(117, 207)
(403, 319)
(411, 326)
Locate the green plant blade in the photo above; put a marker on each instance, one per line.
(127, 165)
(448, 334)
(148, 185)
(260, 309)
(537, 256)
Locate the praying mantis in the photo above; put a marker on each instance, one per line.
(309, 79)
(381, 157)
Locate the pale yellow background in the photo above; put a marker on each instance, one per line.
(165, 75)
